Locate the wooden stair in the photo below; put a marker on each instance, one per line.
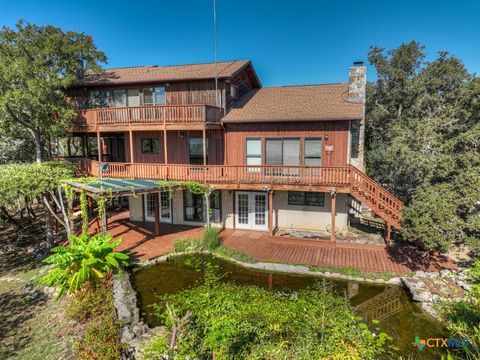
(377, 198)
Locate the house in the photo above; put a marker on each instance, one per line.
(288, 157)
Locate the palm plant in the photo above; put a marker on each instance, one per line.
(85, 259)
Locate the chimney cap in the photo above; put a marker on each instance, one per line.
(358, 63)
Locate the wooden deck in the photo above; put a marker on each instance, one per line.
(139, 238)
(261, 246)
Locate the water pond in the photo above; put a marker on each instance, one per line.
(398, 316)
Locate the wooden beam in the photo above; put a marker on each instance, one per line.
(99, 146)
(165, 147)
(270, 212)
(333, 237)
(130, 132)
(156, 211)
(204, 143)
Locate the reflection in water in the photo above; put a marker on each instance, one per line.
(398, 316)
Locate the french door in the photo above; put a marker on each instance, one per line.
(251, 210)
(165, 207)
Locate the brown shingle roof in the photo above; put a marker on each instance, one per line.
(129, 75)
(295, 103)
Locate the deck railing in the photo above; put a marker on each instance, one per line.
(360, 185)
(158, 114)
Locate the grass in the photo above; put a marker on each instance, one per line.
(349, 271)
(33, 328)
(233, 254)
(187, 245)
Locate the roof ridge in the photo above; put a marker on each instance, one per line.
(304, 85)
(229, 62)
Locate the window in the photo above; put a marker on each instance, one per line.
(216, 206)
(148, 96)
(119, 98)
(306, 198)
(254, 153)
(354, 138)
(99, 99)
(133, 96)
(195, 150)
(159, 95)
(282, 152)
(234, 91)
(312, 152)
(150, 146)
(193, 206)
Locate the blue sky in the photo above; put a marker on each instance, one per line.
(289, 42)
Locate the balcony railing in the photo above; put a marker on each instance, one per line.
(360, 185)
(134, 115)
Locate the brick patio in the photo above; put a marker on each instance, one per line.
(139, 238)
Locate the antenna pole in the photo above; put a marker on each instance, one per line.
(215, 48)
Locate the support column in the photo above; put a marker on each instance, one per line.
(156, 211)
(204, 143)
(130, 132)
(333, 237)
(388, 232)
(143, 207)
(165, 146)
(207, 206)
(99, 146)
(270, 212)
(84, 147)
(69, 148)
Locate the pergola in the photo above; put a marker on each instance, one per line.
(109, 188)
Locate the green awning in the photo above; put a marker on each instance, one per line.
(119, 187)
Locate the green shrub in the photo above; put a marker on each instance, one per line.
(234, 254)
(86, 259)
(211, 238)
(248, 322)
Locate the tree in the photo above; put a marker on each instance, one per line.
(423, 131)
(37, 65)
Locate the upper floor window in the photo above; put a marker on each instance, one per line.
(282, 152)
(154, 96)
(150, 146)
(133, 97)
(99, 98)
(254, 152)
(312, 152)
(119, 98)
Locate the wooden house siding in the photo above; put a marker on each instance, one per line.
(337, 132)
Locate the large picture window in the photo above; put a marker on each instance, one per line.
(306, 198)
(282, 152)
(150, 146)
(312, 154)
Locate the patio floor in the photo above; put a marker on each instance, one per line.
(139, 238)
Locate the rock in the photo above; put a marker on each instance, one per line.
(445, 273)
(421, 296)
(464, 285)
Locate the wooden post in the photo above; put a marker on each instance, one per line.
(104, 221)
(207, 206)
(84, 147)
(99, 146)
(204, 143)
(143, 207)
(165, 147)
(131, 145)
(388, 232)
(69, 148)
(333, 237)
(270, 212)
(156, 211)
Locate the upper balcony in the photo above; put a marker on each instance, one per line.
(146, 117)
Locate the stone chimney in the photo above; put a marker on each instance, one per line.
(357, 81)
